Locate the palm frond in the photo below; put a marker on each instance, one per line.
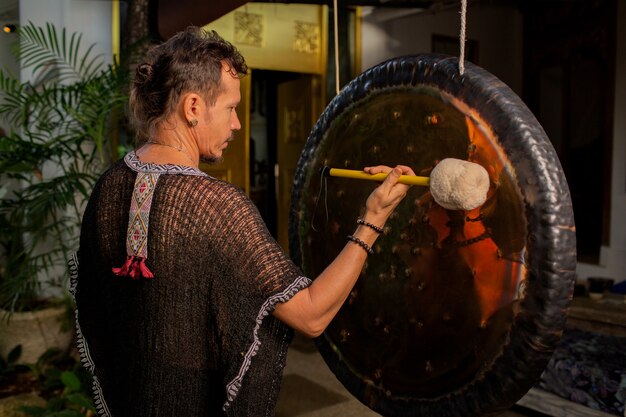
(53, 56)
(62, 120)
(14, 99)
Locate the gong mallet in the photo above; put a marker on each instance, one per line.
(455, 184)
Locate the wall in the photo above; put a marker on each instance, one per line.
(385, 36)
(92, 18)
(498, 31)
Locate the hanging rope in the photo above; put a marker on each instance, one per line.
(462, 37)
(335, 13)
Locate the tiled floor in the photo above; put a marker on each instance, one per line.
(310, 389)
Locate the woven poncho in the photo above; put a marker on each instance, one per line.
(175, 280)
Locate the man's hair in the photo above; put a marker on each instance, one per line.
(190, 61)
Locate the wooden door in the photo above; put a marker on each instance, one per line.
(298, 106)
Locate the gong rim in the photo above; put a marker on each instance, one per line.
(537, 327)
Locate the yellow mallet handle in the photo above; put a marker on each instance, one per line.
(361, 175)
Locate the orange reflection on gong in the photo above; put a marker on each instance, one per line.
(497, 276)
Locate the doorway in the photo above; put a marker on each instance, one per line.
(569, 79)
(283, 108)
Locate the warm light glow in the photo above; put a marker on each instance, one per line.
(434, 119)
(8, 28)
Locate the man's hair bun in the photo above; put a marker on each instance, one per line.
(143, 73)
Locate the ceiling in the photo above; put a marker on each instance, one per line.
(422, 4)
(175, 15)
(9, 9)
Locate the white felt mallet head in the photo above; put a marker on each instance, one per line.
(454, 184)
(459, 185)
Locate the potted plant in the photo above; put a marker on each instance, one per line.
(56, 385)
(57, 145)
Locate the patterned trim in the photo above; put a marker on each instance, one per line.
(139, 216)
(72, 266)
(132, 161)
(232, 388)
(83, 349)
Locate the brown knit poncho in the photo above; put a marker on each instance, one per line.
(197, 338)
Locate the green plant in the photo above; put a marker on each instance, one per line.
(15, 377)
(58, 144)
(10, 364)
(57, 378)
(64, 385)
(10, 367)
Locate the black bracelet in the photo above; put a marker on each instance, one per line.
(362, 244)
(370, 225)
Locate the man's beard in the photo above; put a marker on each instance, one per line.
(211, 159)
(214, 159)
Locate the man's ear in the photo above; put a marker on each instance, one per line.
(192, 105)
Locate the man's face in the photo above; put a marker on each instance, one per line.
(220, 120)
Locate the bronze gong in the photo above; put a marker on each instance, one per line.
(457, 313)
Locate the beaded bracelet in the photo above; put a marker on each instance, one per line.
(362, 244)
(370, 225)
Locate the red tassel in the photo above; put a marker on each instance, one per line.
(145, 271)
(135, 267)
(134, 273)
(123, 270)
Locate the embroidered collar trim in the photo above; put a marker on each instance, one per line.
(133, 162)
